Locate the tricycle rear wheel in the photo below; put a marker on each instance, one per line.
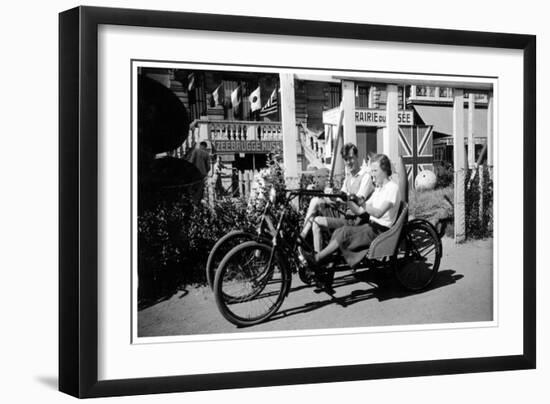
(418, 256)
(222, 247)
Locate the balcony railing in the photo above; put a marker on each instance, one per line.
(210, 130)
(243, 130)
(441, 94)
(216, 130)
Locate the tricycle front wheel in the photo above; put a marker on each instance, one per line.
(251, 283)
(222, 247)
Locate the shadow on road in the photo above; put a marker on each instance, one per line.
(146, 303)
(382, 286)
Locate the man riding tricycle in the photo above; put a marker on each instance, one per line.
(254, 276)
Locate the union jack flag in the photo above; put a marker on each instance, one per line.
(416, 149)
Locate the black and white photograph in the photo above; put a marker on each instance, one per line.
(272, 199)
(271, 202)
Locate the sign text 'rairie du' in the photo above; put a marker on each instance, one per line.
(374, 117)
(369, 117)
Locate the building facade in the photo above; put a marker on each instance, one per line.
(412, 120)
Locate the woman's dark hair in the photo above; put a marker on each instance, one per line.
(384, 163)
(347, 147)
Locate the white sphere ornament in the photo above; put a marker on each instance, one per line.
(425, 180)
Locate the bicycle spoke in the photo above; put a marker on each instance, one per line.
(251, 283)
(417, 261)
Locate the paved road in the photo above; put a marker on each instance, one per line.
(462, 292)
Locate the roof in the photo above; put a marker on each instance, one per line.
(441, 117)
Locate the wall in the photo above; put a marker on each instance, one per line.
(29, 201)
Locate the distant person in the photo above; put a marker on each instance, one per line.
(200, 158)
(217, 176)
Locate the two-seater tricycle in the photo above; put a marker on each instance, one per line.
(250, 273)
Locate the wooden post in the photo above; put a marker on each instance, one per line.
(247, 180)
(471, 143)
(210, 189)
(391, 135)
(241, 184)
(336, 166)
(290, 132)
(348, 104)
(490, 133)
(458, 137)
(481, 196)
(402, 179)
(328, 140)
(204, 132)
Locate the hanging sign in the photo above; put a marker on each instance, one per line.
(370, 117)
(247, 146)
(375, 117)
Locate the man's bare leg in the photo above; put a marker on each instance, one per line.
(321, 222)
(312, 209)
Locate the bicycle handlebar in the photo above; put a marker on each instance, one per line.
(313, 192)
(321, 194)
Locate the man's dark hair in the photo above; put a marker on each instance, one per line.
(203, 144)
(346, 149)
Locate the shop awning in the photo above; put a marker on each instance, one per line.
(441, 117)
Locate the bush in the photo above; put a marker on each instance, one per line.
(176, 235)
(479, 222)
(435, 206)
(175, 238)
(438, 205)
(445, 174)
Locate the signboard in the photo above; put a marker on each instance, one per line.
(370, 117)
(375, 117)
(247, 146)
(228, 158)
(449, 141)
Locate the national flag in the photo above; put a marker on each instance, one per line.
(190, 81)
(236, 97)
(255, 100)
(217, 95)
(416, 149)
(271, 105)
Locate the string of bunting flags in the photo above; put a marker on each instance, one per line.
(218, 95)
(254, 98)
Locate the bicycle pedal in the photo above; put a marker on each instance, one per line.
(324, 289)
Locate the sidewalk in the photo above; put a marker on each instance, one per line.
(462, 292)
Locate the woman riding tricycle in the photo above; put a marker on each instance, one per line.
(254, 277)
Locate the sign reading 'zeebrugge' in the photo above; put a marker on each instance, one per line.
(247, 146)
(370, 117)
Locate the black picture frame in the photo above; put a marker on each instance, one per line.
(78, 200)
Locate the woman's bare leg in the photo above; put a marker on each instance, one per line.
(327, 251)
